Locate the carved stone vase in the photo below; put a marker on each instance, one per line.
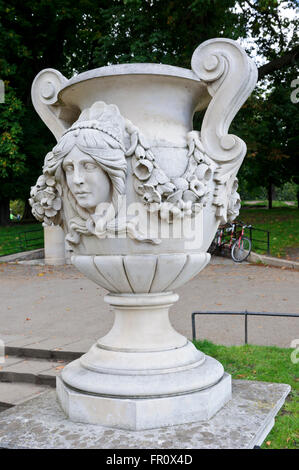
(139, 195)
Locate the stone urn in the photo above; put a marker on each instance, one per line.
(139, 195)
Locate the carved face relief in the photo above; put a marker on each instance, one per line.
(87, 181)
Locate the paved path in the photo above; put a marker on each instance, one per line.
(58, 305)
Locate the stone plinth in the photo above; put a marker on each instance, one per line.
(242, 423)
(148, 413)
(54, 245)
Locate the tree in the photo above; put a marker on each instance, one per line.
(268, 124)
(33, 35)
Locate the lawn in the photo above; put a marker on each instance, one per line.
(267, 364)
(281, 222)
(20, 237)
(264, 203)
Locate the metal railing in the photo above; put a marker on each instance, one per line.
(246, 315)
(16, 241)
(257, 241)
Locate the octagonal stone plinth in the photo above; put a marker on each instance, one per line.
(144, 413)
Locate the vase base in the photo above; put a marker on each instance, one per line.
(139, 402)
(146, 413)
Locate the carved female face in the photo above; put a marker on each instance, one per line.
(88, 183)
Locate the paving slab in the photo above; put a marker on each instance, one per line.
(49, 348)
(79, 347)
(9, 360)
(23, 341)
(242, 423)
(33, 371)
(7, 339)
(12, 394)
(29, 366)
(49, 344)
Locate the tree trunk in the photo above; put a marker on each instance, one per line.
(4, 212)
(27, 215)
(270, 195)
(287, 59)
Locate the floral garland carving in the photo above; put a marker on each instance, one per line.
(45, 199)
(170, 197)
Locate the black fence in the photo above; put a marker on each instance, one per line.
(257, 242)
(246, 314)
(15, 241)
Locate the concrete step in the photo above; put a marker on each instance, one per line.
(17, 369)
(12, 394)
(52, 348)
(29, 365)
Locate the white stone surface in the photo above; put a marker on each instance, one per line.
(139, 195)
(138, 414)
(54, 245)
(146, 383)
(141, 273)
(142, 355)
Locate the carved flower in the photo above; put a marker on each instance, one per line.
(166, 189)
(142, 168)
(151, 195)
(203, 172)
(45, 199)
(197, 186)
(185, 207)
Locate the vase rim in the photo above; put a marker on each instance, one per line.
(133, 69)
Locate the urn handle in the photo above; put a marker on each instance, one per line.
(231, 76)
(44, 92)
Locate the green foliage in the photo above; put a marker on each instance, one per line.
(287, 192)
(268, 123)
(17, 207)
(12, 160)
(162, 31)
(282, 223)
(267, 364)
(20, 237)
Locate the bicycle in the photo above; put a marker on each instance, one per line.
(241, 248)
(238, 244)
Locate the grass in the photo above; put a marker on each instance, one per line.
(281, 222)
(20, 237)
(266, 364)
(264, 203)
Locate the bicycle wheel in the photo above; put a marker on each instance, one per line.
(214, 245)
(241, 249)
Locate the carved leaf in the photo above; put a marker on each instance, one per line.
(175, 197)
